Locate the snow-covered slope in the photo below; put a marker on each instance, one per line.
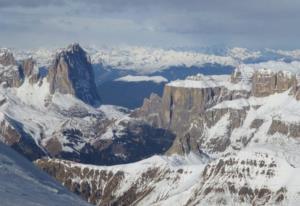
(51, 116)
(241, 132)
(242, 129)
(24, 184)
(159, 180)
(254, 176)
(147, 60)
(130, 78)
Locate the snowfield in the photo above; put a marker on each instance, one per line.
(201, 81)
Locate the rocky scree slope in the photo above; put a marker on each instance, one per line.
(250, 177)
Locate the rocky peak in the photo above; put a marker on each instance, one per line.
(72, 73)
(266, 82)
(28, 66)
(30, 70)
(7, 58)
(11, 75)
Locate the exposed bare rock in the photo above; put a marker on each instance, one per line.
(285, 128)
(237, 177)
(149, 182)
(237, 116)
(266, 82)
(72, 73)
(101, 185)
(188, 110)
(11, 75)
(236, 76)
(30, 70)
(182, 107)
(256, 123)
(150, 110)
(28, 67)
(244, 178)
(7, 58)
(12, 134)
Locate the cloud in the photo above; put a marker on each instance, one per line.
(29, 3)
(255, 23)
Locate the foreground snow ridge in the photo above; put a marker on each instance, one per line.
(23, 184)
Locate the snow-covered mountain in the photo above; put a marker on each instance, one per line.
(237, 143)
(24, 184)
(148, 60)
(51, 115)
(230, 139)
(254, 176)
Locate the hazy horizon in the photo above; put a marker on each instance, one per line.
(164, 24)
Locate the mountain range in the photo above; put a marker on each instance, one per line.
(221, 130)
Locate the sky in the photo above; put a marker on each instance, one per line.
(254, 24)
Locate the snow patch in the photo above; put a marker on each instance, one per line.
(155, 79)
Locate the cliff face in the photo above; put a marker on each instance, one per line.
(30, 70)
(184, 108)
(196, 108)
(71, 129)
(7, 58)
(246, 141)
(149, 182)
(11, 75)
(256, 177)
(266, 82)
(72, 73)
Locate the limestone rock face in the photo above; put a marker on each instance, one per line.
(182, 106)
(243, 178)
(11, 75)
(151, 110)
(236, 176)
(28, 66)
(105, 185)
(29, 69)
(13, 135)
(7, 58)
(288, 129)
(266, 82)
(195, 114)
(72, 73)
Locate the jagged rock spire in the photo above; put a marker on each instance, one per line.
(72, 73)
(7, 58)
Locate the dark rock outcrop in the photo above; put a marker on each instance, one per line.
(13, 134)
(181, 106)
(28, 66)
(72, 73)
(7, 58)
(11, 75)
(266, 82)
(100, 186)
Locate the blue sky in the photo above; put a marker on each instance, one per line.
(159, 23)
